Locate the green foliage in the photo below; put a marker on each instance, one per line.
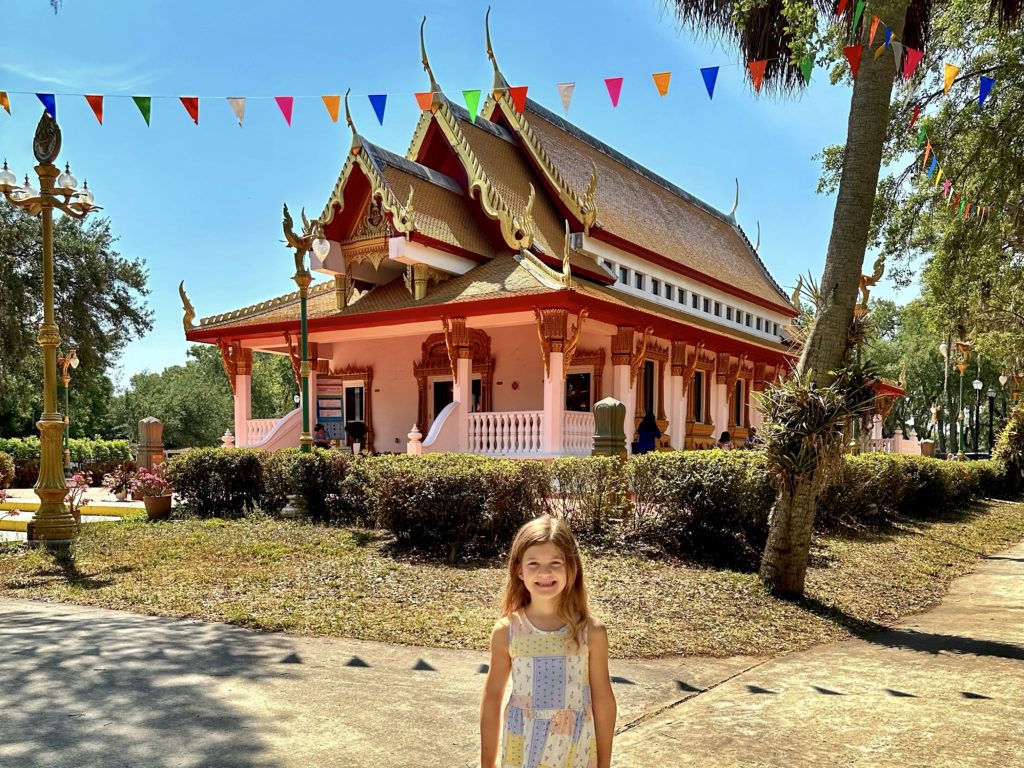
(591, 491)
(1009, 447)
(217, 482)
(6, 470)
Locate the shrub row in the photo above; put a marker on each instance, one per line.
(82, 449)
(710, 505)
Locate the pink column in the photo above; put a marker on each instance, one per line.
(243, 408)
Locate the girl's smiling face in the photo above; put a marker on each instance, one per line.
(543, 571)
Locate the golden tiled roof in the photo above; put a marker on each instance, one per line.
(640, 207)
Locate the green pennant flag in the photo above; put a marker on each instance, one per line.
(145, 105)
(963, 204)
(857, 13)
(921, 136)
(472, 102)
(807, 66)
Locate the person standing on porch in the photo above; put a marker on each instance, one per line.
(561, 712)
(647, 434)
(725, 442)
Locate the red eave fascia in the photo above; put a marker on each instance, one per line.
(883, 388)
(440, 245)
(661, 261)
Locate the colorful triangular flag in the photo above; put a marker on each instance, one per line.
(874, 28)
(472, 102)
(932, 167)
(518, 95)
(237, 104)
(921, 136)
(378, 101)
(614, 86)
(425, 100)
(946, 188)
(888, 37)
(897, 54)
(710, 75)
(857, 13)
(927, 151)
(191, 105)
(842, 7)
(145, 105)
(914, 57)
(332, 104)
(951, 71)
(5, 101)
(806, 67)
(565, 94)
(757, 72)
(853, 54)
(938, 177)
(967, 212)
(96, 102)
(985, 89)
(879, 51)
(285, 104)
(49, 103)
(661, 81)
(913, 117)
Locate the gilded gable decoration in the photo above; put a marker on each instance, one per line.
(638, 357)
(435, 361)
(237, 360)
(622, 345)
(554, 335)
(295, 355)
(186, 305)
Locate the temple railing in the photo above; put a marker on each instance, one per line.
(577, 433)
(257, 429)
(508, 433)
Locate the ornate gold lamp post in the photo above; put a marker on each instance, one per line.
(53, 523)
(963, 352)
(311, 237)
(70, 360)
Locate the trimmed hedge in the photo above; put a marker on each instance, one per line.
(95, 456)
(217, 482)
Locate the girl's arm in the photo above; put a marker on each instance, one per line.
(494, 689)
(601, 693)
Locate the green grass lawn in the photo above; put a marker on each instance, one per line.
(280, 575)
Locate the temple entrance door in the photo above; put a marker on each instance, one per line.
(647, 396)
(577, 392)
(442, 392)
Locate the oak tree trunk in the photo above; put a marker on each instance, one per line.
(784, 563)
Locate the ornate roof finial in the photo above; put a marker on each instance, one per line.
(348, 114)
(426, 62)
(190, 312)
(736, 202)
(500, 83)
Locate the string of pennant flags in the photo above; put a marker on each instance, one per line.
(907, 60)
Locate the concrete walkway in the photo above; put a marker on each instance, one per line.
(81, 687)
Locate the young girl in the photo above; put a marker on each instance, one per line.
(561, 713)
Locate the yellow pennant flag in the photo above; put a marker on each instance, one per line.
(951, 72)
(878, 53)
(937, 177)
(661, 81)
(332, 103)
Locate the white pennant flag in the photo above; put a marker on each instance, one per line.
(238, 107)
(565, 91)
(897, 53)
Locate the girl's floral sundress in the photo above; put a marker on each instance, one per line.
(549, 721)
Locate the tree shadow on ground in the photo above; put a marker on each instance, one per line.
(95, 688)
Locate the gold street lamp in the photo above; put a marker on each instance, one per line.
(70, 360)
(312, 237)
(53, 523)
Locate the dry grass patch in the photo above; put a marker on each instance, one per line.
(278, 575)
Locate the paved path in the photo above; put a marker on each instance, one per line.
(81, 688)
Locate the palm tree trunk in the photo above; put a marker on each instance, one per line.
(784, 563)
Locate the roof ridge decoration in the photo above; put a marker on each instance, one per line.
(583, 207)
(540, 271)
(434, 87)
(402, 216)
(253, 309)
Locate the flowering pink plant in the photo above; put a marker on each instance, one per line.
(77, 486)
(120, 479)
(151, 483)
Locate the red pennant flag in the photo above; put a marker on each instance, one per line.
(614, 86)
(757, 72)
(913, 117)
(853, 54)
(967, 211)
(425, 99)
(191, 105)
(874, 28)
(914, 57)
(96, 102)
(285, 104)
(842, 7)
(518, 96)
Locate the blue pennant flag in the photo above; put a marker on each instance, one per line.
(710, 75)
(986, 88)
(379, 101)
(50, 103)
(932, 167)
(888, 37)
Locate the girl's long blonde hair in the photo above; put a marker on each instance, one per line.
(541, 530)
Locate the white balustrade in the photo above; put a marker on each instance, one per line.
(508, 433)
(257, 429)
(577, 433)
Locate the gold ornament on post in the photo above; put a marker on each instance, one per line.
(866, 282)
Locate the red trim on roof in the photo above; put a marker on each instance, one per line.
(885, 388)
(440, 245)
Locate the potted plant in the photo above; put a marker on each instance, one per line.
(77, 486)
(155, 489)
(356, 431)
(119, 481)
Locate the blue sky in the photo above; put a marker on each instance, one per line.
(203, 204)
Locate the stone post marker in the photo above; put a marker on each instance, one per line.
(151, 443)
(609, 436)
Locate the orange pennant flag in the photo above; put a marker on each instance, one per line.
(191, 105)
(518, 95)
(96, 102)
(5, 102)
(332, 103)
(757, 72)
(661, 81)
(425, 99)
(927, 151)
(874, 28)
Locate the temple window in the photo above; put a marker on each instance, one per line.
(728, 313)
(775, 329)
(707, 304)
(655, 286)
(749, 318)
(697, 396)
(624, 275)
(696, 300)
(682, 296)
(737, 404)
(718, 309)
(577, 392)
(638, 281)
(669, 292)
(759, 323)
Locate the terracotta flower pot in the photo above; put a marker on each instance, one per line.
(121, 495)
(157, 507)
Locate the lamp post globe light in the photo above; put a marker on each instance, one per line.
(53, 524)
(311, 238)
(1003, 378)
(70, 360)
(977, 411)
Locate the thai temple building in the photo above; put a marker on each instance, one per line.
(499, 278)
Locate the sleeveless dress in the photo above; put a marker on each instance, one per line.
(549, 721)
